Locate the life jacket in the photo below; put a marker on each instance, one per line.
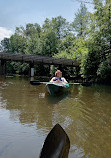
(57, 78)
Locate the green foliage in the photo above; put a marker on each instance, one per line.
(75, 49)
(48, 43)
(33, 46)
(24, 69)
(90, 65)
(5, 45)
(32, 30)
(59, 25)
(17, 44)
(42, 70)
(18, 68)
(95, 65)
(67, 43)
(104, 71)
(80, 22)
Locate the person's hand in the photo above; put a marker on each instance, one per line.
(58, 81)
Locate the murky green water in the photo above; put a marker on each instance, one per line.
(27, 114)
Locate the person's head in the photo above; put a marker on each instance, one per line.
(58, 73)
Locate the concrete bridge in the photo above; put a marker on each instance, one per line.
(34, 59)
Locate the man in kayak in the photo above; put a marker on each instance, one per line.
(58, 77)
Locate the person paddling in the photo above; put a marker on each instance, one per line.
(58, 77)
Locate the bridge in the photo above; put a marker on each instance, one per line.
(34, 59)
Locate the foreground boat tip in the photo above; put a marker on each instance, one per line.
(57, 144)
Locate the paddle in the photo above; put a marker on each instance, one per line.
(37, 82)
(56, 145)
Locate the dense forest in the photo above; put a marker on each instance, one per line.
(87, 39)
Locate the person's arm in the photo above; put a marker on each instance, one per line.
(52, 80)
(64, 80)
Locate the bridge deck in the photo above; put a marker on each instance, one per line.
(38, 59)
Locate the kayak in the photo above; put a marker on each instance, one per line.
(56, 88)
(56, 144)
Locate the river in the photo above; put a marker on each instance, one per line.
(28, 113)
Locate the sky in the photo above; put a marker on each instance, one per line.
(15, 13)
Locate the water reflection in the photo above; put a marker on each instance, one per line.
(57, 99)
(84, 113)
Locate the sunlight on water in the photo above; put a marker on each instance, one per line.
(28, 113)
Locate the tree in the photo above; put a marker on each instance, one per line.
(96, 64)
(80, 23)
(17, 44)
(59, 25)
(67, 43)
(48, 43)
(5, 45)
(103, 19)
(32, 30)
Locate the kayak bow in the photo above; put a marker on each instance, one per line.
(56, 88)
(57, 144)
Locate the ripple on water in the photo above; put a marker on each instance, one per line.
(94, 130)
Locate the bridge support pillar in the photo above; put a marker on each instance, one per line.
(32, 71)
(3, 67)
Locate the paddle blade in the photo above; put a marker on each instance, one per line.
(87, 84)
(35, 82)
(57, 144)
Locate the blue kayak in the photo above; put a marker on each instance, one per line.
(56, 88)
